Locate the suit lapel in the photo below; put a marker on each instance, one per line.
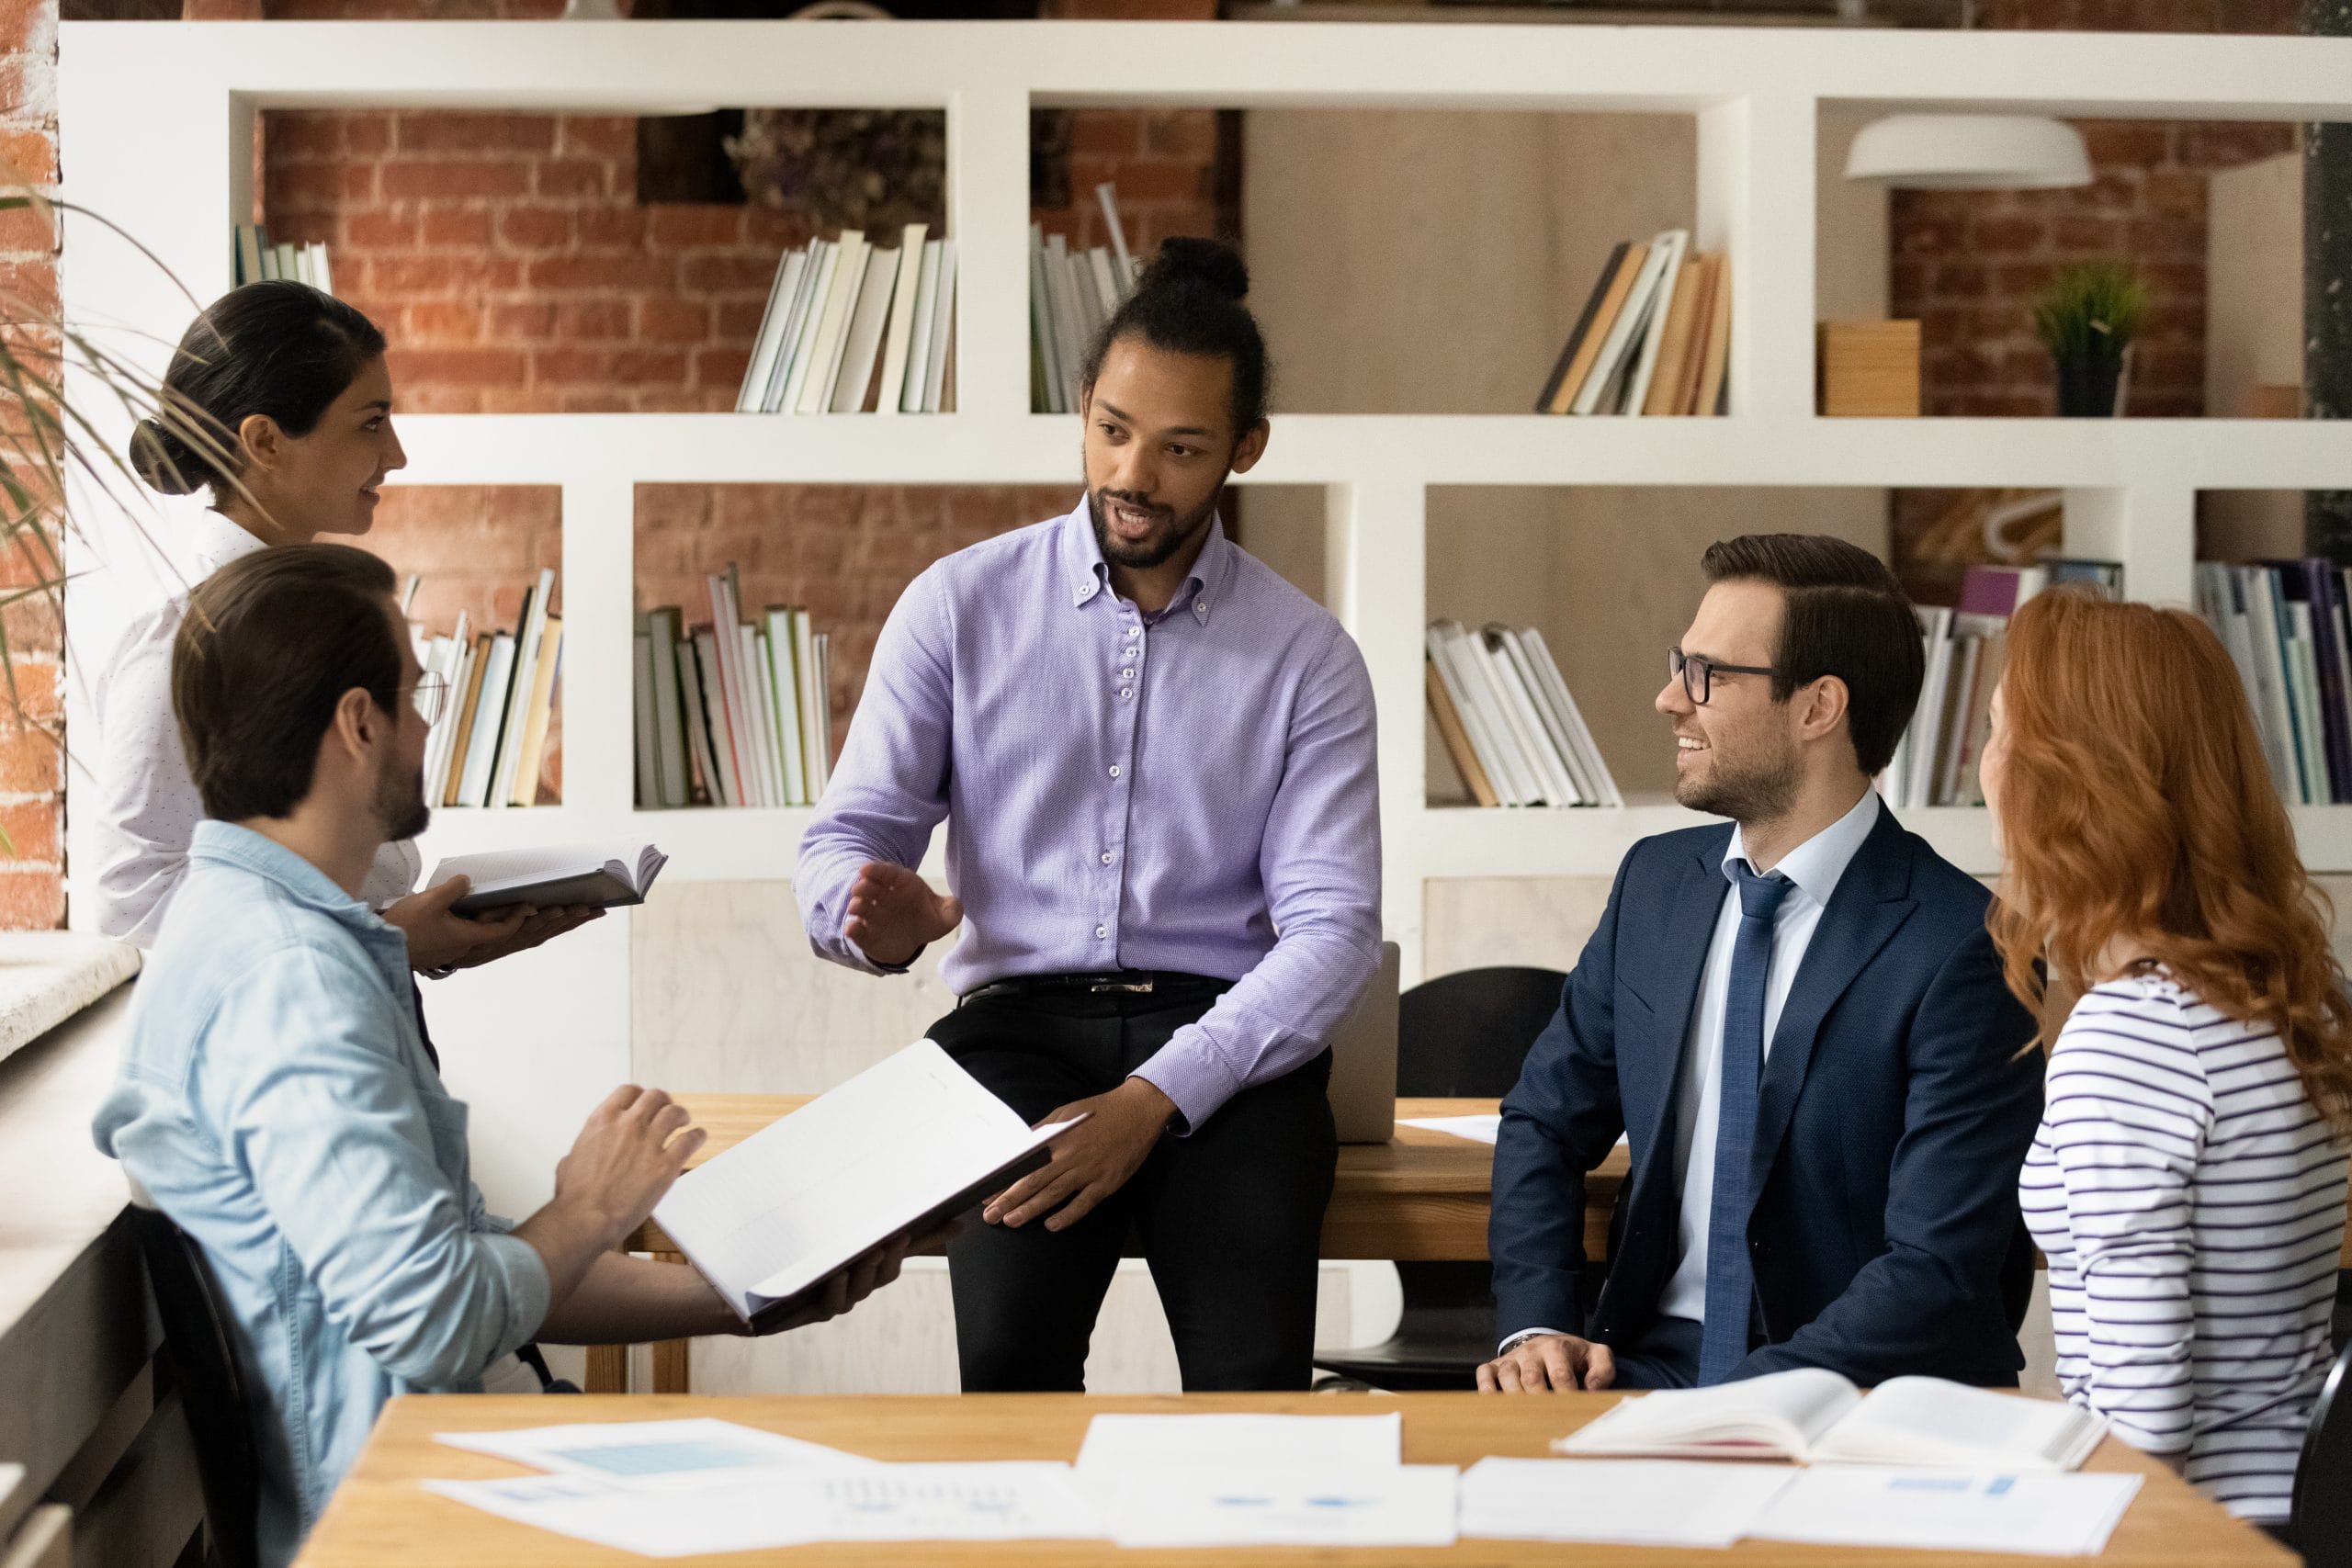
(1871, 903)
(1690, 931)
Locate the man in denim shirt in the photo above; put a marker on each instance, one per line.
(276, 1100)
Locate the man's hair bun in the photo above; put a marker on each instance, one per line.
(1211, 261)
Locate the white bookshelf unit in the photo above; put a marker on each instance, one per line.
(1754, 94)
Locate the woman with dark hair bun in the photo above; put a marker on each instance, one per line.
(279, 403)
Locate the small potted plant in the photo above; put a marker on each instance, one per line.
(2087, 320)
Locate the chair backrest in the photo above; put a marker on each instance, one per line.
(212, 1393)
(1465, 1035)
(2320, 1527)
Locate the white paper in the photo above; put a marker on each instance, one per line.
(498, 871)
(656, 1456)
(1015, 1501)
(2055, 1516)
(799, 1200)
(1154, 1444)
(1410, 1504)
(1627, 1502)
(1477, 1129)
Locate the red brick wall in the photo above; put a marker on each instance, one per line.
(32, 774)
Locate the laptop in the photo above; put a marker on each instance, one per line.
(1363, 1060)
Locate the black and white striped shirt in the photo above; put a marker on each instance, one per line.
(2191, 1206)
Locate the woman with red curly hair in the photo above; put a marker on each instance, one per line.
(2186, 1183)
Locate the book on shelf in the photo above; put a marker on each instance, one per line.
(2287, 627)
(1653, 335)
(1813, 1414)
(1508, 722)
(605, 876)
(854, 327)
(1072, 295)
(732, 711)
(255, 258)
(1966, 649)
(486, 747)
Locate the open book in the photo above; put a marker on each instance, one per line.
(1815, 1415)
(602, 874)
(899, 1150)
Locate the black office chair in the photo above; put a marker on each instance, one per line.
(2319, 1522)
(1464, 1036)
(212, 1391)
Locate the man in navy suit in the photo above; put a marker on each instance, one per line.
(1799, 1022)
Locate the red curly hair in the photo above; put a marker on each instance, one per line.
(2136, 805)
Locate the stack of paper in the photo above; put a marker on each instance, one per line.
(2058, 1515)
(1628, 1502)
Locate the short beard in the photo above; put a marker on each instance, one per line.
(399, 804)
(1762, 791)
(1154, 551)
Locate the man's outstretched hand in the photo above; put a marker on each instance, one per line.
(893, 913)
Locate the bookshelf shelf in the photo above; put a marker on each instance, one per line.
(1756, 93)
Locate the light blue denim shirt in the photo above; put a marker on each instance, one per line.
(276, 1102)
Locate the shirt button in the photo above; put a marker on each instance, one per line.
(1102, 931)
(1115, 770)
(1126, 674)
(1201, 606)
(1106, 857)
(1127, 691)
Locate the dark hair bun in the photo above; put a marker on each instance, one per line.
(1212, 262)
(166, 462)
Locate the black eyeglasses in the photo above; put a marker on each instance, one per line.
(430, 695)
(1697, 672)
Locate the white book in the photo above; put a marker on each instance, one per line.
(2303, 676)
(2266, 630)
(1549, 669)
(1106, 281)
(1519, 711)
(759, 703)
(325, 273)
(863, 342)
(814, 720)
(768, 346)
(1927, 719)
(1508, 641)
(249, 268)
(741, 765)
(897, 1151)
(918, 376)
(1953, 738)
(289, 262)
(791, 341)
(942, 320)
(698, 719)
(1045, 327)
(1814, 1416)
(1506, 768)
(709, 683)
(602, 874)
(1096, 294)
(824, 260)
(832, 324)
(783, 664)
(1070, 326)
(1677, 243)
(456, 657)
(820, 652)
(1610, 364)
(1108, 195)
(302, 265)
(899, 348)
(649, 780)
(526, 673)
(490, 713)
(436, 781)
(669, 722)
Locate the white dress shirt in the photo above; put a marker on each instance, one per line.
(147, 807)
(1814, 866)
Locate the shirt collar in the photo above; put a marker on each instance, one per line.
(1204, 588)
(213, 542)
(225, 843)
(1816, 864)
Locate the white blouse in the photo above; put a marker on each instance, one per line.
(147, 807)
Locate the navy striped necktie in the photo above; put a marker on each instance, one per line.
(1731, 1277)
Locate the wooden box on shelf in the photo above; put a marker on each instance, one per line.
(1870, 369)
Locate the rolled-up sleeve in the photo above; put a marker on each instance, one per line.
(323, 1118)
(890, 788)
(1320, 860)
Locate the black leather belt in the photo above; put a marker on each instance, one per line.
(1095, 983)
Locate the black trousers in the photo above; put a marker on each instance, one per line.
(1229, 1216)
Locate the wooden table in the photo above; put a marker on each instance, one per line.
(381, 1519)
(1423, 1197)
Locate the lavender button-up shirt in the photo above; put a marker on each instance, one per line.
(1190, 791)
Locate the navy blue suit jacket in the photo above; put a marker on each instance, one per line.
(1893, 1117)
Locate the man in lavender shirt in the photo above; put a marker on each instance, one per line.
(1155, 759)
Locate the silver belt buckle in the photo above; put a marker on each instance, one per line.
(1142, 985)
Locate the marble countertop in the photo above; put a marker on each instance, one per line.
(47, 977)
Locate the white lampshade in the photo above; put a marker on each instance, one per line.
(1970, 151)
